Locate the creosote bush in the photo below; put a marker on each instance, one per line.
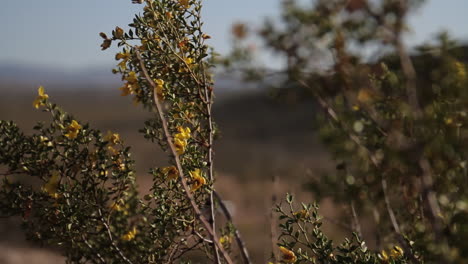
(395, 122)
(398, 140)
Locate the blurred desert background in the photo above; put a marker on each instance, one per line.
(56, 44)
(261, 138)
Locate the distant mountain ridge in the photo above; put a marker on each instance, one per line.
(23, 75)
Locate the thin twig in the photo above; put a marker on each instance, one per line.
(172, 148)
(111, 239)
(240, 242)
(357, 224)
(95, 252)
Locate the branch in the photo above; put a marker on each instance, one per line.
(357, 224)
(111, 239)
(172, 148)
(93, 249)
(239, 240)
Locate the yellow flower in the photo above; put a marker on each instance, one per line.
(131, 86)
(42, 96)
(159, 88)
(73, 129)
(130, 235)
(113, 138)
(197, 180)
(169, 15)
(383, 256)
(188, 61)
(51, 186)
(184, 133)
(184, 3)
(171, 172)
(126, 89)
(225, 240)
(288, 255)
(132, 77)
(301, 214)
(367, 96)
(120, 207)
(397, 252)
(124, 56)
(180, 145)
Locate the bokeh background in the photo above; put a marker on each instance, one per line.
(55, 43)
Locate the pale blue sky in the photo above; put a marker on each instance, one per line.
(64, 33)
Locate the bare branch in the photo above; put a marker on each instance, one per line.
(240, 242)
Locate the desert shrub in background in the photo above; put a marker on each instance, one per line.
(395, 123)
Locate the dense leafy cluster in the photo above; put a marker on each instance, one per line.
(302, 240)
(73, 186)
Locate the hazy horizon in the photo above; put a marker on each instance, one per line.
(63, 35)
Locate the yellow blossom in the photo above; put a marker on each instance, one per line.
(120, 207)
(188, 61)
(122, 56)
(180, 145)
(396, 252)
(113, 138)
(170, 172)
(288, 256)
(197, 180)
(301, 214)
(73, 129)
(383, 256)
(169, 15)
(130, 235)
(367, 96)
(132, 77)
(51, 186)
(131, 86)
(159, 88)
(127, 89)
(448, 121)
(42, 96)
(225, 240)
(184, 132)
